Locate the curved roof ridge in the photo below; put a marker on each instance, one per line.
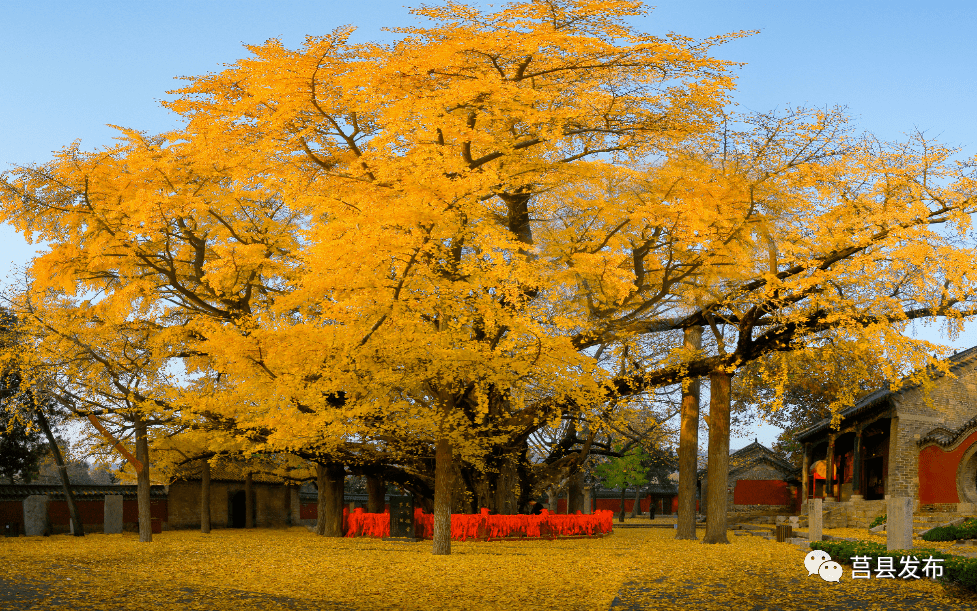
(957, 360)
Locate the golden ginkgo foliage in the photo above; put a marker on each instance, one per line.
(404, 259)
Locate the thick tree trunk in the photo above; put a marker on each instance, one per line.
(506, 500)
(442, 499)
(637, 502)
(322, 497)
(248, 501)
(375, 489)
(688, 447)
(205, 496)
(718, 467)
(330, 479)
(620, 517)
(142, 481)
(575, 493)
(76, 526)
(552, 502)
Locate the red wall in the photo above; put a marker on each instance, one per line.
(12, 511)
(670, 504)
(90, 512)
(761, 492)
(130, 510)
(938, 472)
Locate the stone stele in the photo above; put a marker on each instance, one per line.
(815, 520)
(899, 523)
(112, 522)
(402, 518)
(35, 515)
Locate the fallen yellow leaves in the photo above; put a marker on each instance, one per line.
(294, 569)
(880, 537)
(316, 572)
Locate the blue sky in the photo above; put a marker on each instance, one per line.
(70, 68)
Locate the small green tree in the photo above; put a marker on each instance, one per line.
(21, 446)
(21, 449)
(630, 469)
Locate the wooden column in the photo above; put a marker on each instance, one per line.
(248, 501)
(829, 464)
(856, 466)
(806, 474)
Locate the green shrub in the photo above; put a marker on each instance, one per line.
(967, 530)
(956, 569)
(943, 533)
(878, 520)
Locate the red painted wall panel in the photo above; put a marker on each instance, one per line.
(761, 492)
(130, 510)
(12, 511)
(938, 472)
(90, 512)
(661, 503)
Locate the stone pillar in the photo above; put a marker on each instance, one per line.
(815, 520)
(856, 468)
(35, 515)
(829, 467)
(112, 514)
(587, 501)
(899, 523)
(806, 475)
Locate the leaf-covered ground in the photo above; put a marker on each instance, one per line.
(294, 569)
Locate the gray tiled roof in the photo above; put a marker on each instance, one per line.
(18, 492)
(656, 489)
(884, 394)
(764, 452)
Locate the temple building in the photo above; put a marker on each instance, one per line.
(904, 443)
(760, 480)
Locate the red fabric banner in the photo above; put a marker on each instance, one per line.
(483, 526)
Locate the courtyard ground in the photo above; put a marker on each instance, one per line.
(635, 569)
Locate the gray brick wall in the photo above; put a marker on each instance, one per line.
(950, 403)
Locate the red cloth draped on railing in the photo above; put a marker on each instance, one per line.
(487, 527)
(368, 524)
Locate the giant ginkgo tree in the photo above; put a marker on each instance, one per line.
(412, 256)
